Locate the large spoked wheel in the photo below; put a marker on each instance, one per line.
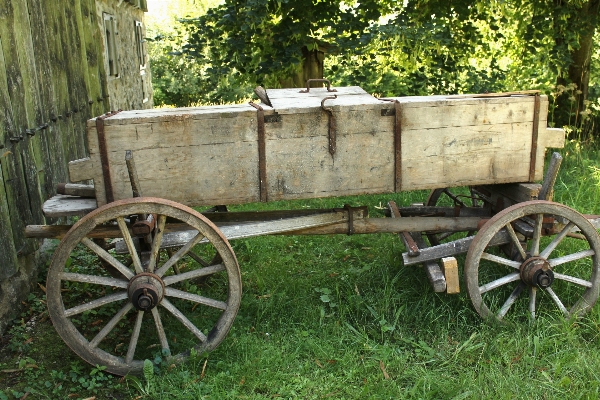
(144, 308)
(452, 197)
(554, 264)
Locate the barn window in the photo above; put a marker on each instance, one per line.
(110, 33)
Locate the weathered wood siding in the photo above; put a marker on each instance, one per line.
(52, 80)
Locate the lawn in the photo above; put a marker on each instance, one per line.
(340, 317)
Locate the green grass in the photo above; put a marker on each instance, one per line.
(340, 317)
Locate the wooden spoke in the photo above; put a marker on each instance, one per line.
(183, 319)
(106, 256)
(510, 301)
(532, 296)
(197, 273)
(180, 253)
(557, 301)
(160, 330)
(111, 298)
(571, 257)
(159, 231)
(499, 282)
(97, 280)
(110, 325)
(456, 200)
(556, 241)
(137, 264)
(134, 337)
(572, 279)
(515, 240)
(198, 259)
(501, 260)
(221, 305)
(537, 234)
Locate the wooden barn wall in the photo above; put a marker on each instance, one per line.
(52, 80)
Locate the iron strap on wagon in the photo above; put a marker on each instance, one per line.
(161, 262)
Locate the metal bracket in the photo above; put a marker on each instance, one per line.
(350, 211)
(332, 124)
(262, 151)
(397, 113)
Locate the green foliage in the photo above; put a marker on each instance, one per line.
(388, 48)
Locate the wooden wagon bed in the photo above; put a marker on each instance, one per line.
(218, 155)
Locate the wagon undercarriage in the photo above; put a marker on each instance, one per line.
(160, 262)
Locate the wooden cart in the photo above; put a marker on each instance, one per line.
(149, 167)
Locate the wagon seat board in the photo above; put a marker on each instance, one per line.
(210, 155)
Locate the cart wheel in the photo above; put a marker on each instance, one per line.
(555, 267)
(116, 321)
(452, 197)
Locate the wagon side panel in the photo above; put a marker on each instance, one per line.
(472, 141)
(299, 164)
(192, 158)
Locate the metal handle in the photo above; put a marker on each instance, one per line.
(332, 124)
(328, 109)
(329, 89)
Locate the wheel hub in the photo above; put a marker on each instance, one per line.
(145, 291)
(535, 271)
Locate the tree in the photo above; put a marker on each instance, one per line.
(262, 40)
(406, 47)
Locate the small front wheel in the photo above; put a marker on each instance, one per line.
(551, 263)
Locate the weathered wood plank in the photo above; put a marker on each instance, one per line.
(465, 156)
(87, 58)
(45, 163)
(8, 255)
(434, 272)
(12, 163)
(276, 94)
(82, 170)
(68, 206)
(77, 74)
(176, 114)
(192, 173)
(302, 167)
(31, 147)
(73, 189)
(61, 131)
